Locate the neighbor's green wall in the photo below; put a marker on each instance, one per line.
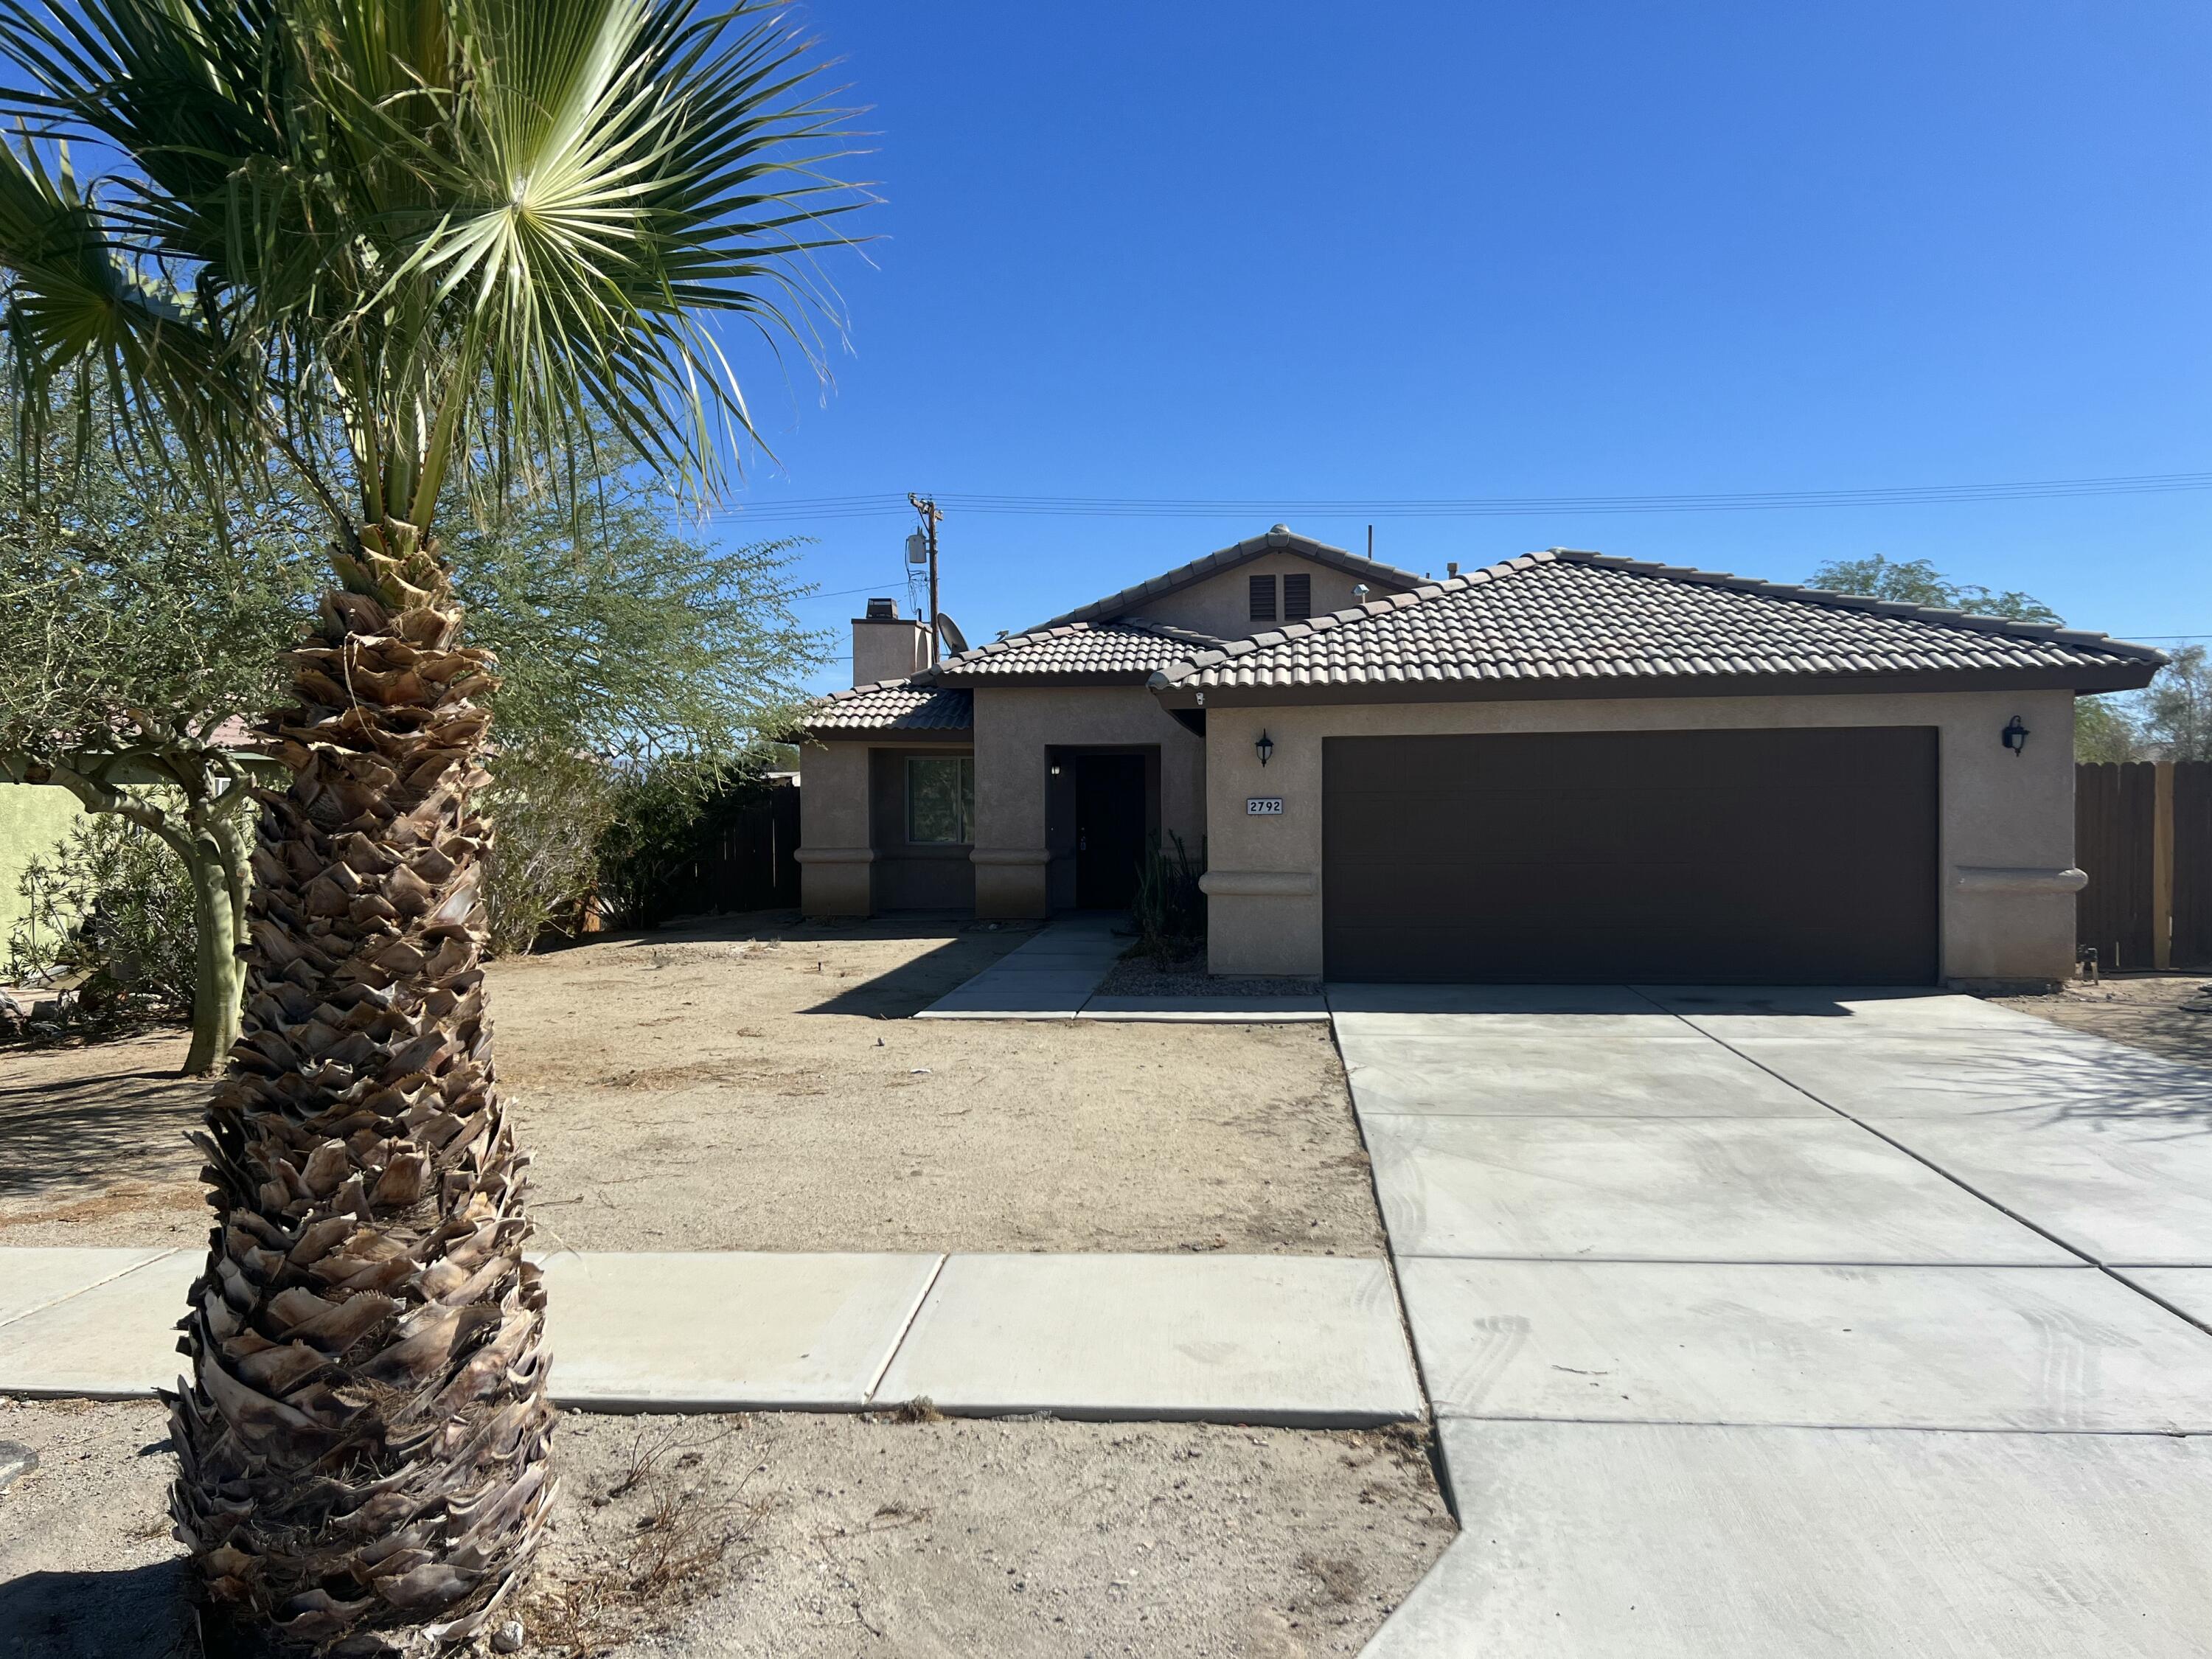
(34, 817)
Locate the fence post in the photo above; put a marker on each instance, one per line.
(2161, 869)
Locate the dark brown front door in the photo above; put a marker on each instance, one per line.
(1759, 857)
(1109, 829)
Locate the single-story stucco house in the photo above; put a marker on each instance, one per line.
(1564, 767)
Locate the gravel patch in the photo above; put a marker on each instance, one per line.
(1147, 976)
(2168, 1014)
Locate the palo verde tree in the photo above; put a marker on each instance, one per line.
(136, 637)
(1916, 581)
(629, 647)
(381, 238)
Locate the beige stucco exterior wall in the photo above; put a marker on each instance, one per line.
(835, 877)
(2006, 821)
(1014, 727)
(1221, 605)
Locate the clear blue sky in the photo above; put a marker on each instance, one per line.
(1286, 252)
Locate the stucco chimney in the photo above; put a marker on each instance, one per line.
(887, 646)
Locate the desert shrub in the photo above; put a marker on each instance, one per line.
(551, 806)
(1170, 909)
(109, 915)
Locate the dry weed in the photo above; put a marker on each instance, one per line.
(654, 1539)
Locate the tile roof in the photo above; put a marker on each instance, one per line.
(936, 699)
(1279, 540)
(1568, 616)
(893, 705)
(1128, 647)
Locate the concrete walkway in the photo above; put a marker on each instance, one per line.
(1291, 1339)
(1804, 1323)
(1056, 975)
(1795, 1323)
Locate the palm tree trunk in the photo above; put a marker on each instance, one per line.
(362, 1446)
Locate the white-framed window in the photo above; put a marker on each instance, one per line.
(940, 800)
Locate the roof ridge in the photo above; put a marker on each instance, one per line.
(1278, 539)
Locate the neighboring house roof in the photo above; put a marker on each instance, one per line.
(892, 706)
(1574, 624)
(1281, 539)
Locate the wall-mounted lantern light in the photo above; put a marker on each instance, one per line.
(1264, 747)
(2015, 737)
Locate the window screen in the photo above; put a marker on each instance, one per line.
(940, 800)
(1298, 596)
(1263, 598)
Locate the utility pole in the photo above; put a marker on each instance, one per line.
(926, 507)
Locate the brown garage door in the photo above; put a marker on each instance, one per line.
(1765, 857)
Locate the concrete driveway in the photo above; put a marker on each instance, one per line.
(1803, 1322)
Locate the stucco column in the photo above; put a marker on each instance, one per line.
(2009, 839)
(1263, 902)
(836, 858)
(1011, 855)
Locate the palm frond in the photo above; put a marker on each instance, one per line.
(419, 232)
(84, 317)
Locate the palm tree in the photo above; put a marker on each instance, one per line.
(390, 241)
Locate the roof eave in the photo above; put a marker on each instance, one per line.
(949, 734)
(2086, 681)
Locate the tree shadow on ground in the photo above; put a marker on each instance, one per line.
(914, 985)
(139, 1611)
(2108, 1085)
(97, 1124)
(968, 947)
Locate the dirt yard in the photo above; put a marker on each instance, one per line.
(2169, 1014)
(800, 1537)
(759, 1087)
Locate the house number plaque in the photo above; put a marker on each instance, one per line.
(1264, 806)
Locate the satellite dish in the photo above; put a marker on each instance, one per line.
(949, 631)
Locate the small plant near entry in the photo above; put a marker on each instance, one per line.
(110, 924)
(1170, 909)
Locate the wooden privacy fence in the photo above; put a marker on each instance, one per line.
(743, 857)
(2143, 830)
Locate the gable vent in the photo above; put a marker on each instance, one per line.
(1263, 598)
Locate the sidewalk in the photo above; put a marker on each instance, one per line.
(1291, 1340)
(1056, 975)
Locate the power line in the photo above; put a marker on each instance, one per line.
(827, 507)
(841, 593)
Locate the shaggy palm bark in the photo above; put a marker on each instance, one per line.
(363, 1447)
